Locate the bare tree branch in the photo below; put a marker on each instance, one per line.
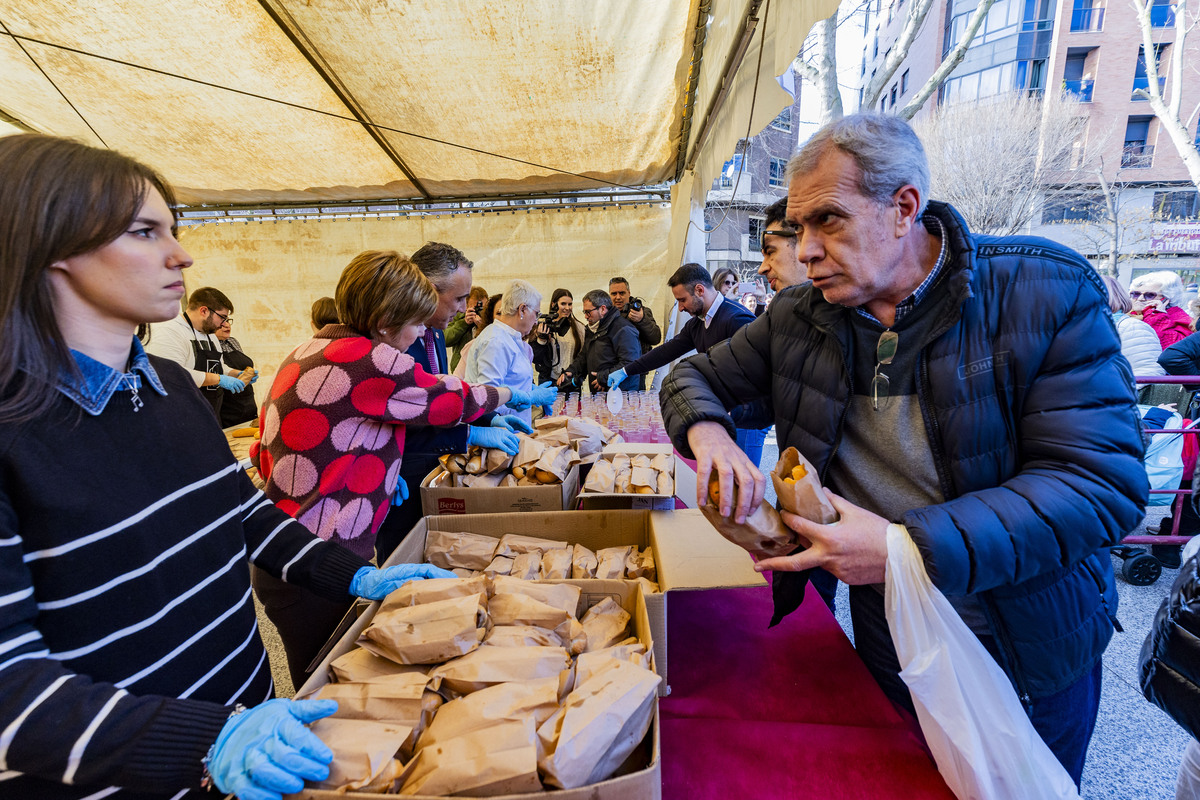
(1167, 110)
(949, 63)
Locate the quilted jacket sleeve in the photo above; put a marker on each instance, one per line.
(1170, 664)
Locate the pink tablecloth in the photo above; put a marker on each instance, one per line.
(789, 712)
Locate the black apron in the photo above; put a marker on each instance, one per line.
(208, 359)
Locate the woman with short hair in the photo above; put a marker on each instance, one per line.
(1156, 297)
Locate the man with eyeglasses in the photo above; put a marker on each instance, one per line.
(188, 340)
(610, 344)
(969, 389)
(780, 266)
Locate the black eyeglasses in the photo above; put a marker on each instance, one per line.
(224, 317)
(885, 351)
(785, 232)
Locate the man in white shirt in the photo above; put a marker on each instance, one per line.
(500, 355)
(188, 340)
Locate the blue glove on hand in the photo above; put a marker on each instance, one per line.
(616, 377)
(266, 752)
(543, 395)
(231, 384)
(511, 423)
(401, 493)
(376, 584)
(502, 438)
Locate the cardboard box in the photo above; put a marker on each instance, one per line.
(643, 784)
(685, 483)
(438, 499)
(689, 553)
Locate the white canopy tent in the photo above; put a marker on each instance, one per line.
(255, 106)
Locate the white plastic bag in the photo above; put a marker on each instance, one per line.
(983, 742)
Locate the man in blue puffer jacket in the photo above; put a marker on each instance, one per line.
(970, 388)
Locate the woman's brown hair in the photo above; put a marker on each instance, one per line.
(382, 289)
(573, 324)
(58, 199)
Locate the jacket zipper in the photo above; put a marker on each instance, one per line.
(837, 442)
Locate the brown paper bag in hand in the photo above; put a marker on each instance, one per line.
(602, 478)
(489, 665)
(536, 700)
(362, 751)
(393, 698)
(448, 549)
(583, 561)
(430, 632)
(498, 760)
(606, 624)
(560, 595)
(431, 590)
(800, 491)
(363, 665)
(763, 534)
(611, 562)
(514, 544)
(527, 566)
(602, 721)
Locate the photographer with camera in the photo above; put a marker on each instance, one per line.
(557, 337)
(611, 343)
(466, 325)
(636, 311)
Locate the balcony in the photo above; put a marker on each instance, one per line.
(1162, 16)
(1082, 90)
(1143, 82)
(1136, 155)
(1087, 20)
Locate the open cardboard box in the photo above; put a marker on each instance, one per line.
(437, 498)
(685, 482)
(689, 553)
(640, 777)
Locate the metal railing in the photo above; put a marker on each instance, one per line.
(1137, 156)
(1086, 20)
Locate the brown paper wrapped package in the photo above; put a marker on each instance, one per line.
(763, 534)
(547, 424)
(496, 460)
(514, 544)
(606, 624)
(555, 438)
(666, 484)
(644, 567)
(489, 665)
(432, 590)
(601, 478)
(501, 759)
(611, 562)
(527, 566)
(536, 700)
(447, 549)
(523, 636)
(560, 595)
(499, 566)
(805, 497)
(393, 698)
(602, 721)
(460, 572)
(520, 609)
(663, 463)
(430, 632)
(555, 461)
(556, 564)
(583, 561)
(588, 665)
(363, 751)
(362, 665)
(483, 481)
(529, 450)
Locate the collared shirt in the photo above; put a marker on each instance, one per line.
(909, 303)
(712, 310)
(500, 357)
(100, 381)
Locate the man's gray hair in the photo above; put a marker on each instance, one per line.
(598, 298)
(520, 293)
(885, 147)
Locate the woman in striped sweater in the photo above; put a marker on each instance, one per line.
(128, 639)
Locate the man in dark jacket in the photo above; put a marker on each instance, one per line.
(714, 319)
(642, 318)
(610, 343)
(970, 389)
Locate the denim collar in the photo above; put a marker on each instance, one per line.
(100, 381)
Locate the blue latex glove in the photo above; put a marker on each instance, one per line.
(231, 384)
(376, 584)
(401, 493)
(502, 438)
(616, 377)
(511, 422)
(266, 752)
(543, 395)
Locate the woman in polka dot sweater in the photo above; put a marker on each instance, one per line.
(333, 428)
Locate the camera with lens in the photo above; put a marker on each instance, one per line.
(635, 304)
(479, 309)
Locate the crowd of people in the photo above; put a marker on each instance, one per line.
(978, 392)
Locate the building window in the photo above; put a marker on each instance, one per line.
(1073, 208)
(883, 105)
(1140, 79)
(784, 121)
(1087, 16)
(756, 228)
(893, 98)
(1137, 154)
(778, 166)
(904, 82)
(1162, 14)
(1175, 205)
(1073, 81)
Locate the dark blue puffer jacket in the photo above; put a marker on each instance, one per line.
(1029, 408)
